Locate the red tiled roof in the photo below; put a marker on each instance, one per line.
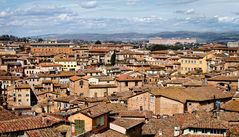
(74, 78)
(46, 132)
(127, 123)
(27, 123)
(191, 94)
(6, 115)
(126, 77)
(224, 78)
(232, 105)
(96, 110)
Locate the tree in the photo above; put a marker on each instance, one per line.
(98, 42)
(40, 40)
(113, 59)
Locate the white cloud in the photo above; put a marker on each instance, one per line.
(190, 11)
(225, 19)
(64, 16)
(187, 12)
(88, 4)
(3, 14)
(147, 19)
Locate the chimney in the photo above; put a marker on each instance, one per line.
(215, 114)
(89, 112)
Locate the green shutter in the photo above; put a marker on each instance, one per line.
(102, 122)
(79, 126)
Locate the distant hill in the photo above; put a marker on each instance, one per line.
(201, 36)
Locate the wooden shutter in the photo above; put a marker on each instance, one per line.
(79, 127)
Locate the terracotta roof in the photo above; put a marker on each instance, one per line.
(166, 125)
(209, 123)
(9, 78)
(136, 114)
(232, 59)
(126, 77)
(232, 105)
(45, 132)
(6, 115)
(23, 86)
(191, 94)
(116, 107)
(27, 123)
(95, 111)
(224, 78)
(67, 99)
(110, 133)
(195, 120)
(127, 123)
(74, 78)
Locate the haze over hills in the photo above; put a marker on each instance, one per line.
(201, 36)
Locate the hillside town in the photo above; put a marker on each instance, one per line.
(58, 89)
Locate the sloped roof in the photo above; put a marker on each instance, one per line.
(46, 132)
(127, 123)
(232, 105)
(27, 123)
(191, 94)
(96, 110)
(6, 115)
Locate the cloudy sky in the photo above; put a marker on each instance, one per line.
(36, 17)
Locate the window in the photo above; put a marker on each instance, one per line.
(81, 83)
(126, 84)
(95, 94)
(141, 108)
(65, 105)
(27, 95)
(100, 121)
(19, 100)
(19, 95)
(79, 126)
(136, 83)
(151, 99)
